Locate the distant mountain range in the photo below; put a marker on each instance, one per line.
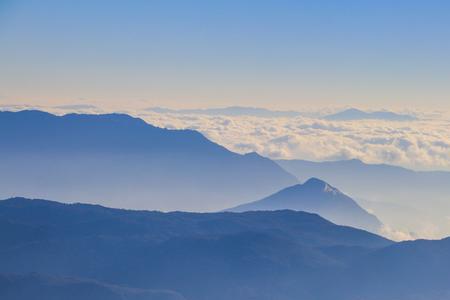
(229, 111)
(416, 202)
(282, 255)
(316, 196)
(120, 161)
(41, 287)
(356, 114)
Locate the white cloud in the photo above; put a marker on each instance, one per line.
(396, 235)
(423, 144)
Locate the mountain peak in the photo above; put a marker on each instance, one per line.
(313, 181)
(354, 114)
(353, 110)
(316, 196)
(317, 184)
(95, 152)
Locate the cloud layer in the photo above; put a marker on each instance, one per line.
(423, 144)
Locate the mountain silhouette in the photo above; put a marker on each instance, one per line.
(317, 196)
(121, 161)
(67, 250)
(412, 201)
(36, 286)
(356, 114)
(408, 270)
(197, 255)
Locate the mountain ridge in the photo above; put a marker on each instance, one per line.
(274, 255)
(27, 286)
(406, 195)
(317, 196)
(357, 114)
(121, 161)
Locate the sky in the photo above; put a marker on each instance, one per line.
(186, 54)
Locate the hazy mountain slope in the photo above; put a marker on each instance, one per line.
(124, 162)
(25, 214)
(201, 256)
(356, 114)
(411, 201)
(39, 287)
(283, 255)
(408, 270)
(316, 196)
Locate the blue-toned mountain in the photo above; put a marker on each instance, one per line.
(121, 161)
(411, 201)
(354, 114)
(252, 255)
(317, 196)
(65, 250)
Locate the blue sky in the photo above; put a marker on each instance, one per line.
(276, 54)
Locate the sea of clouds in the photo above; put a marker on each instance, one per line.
(422, 145)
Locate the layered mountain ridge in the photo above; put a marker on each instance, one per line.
(317, 196)
(354, 114)
(415, 202)
(121, 161)
(199, 256)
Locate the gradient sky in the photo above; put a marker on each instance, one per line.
(276, 54)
